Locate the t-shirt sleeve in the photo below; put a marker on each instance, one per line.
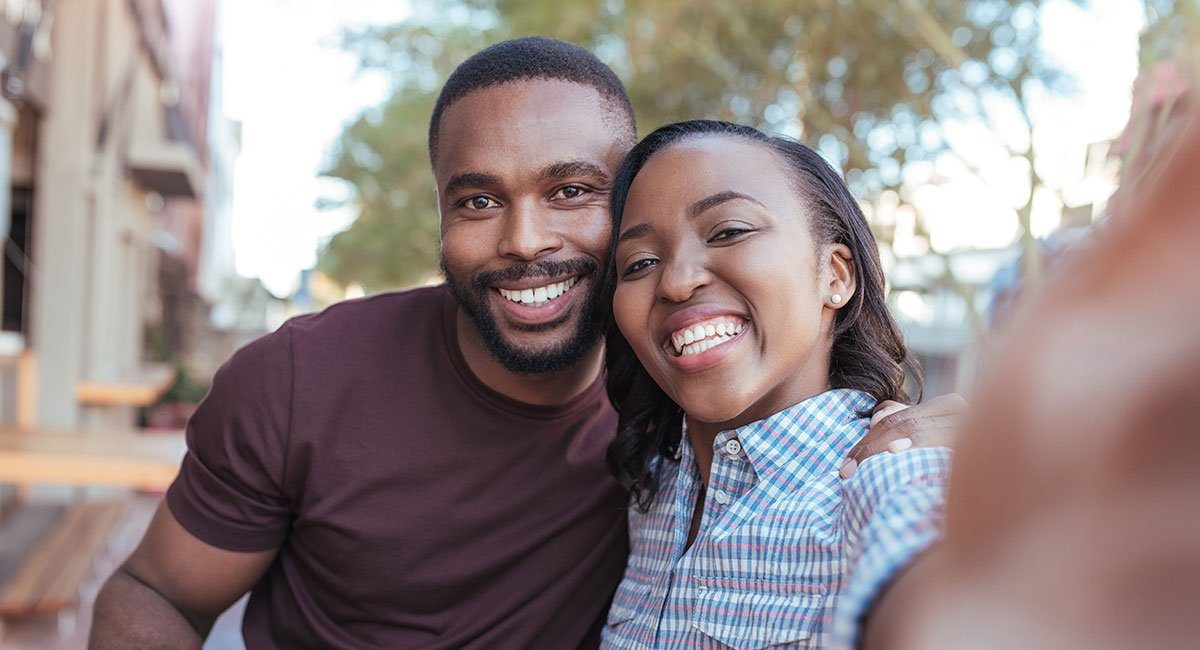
(230, 489)
(893, 512)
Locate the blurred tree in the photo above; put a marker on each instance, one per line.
(875, 85)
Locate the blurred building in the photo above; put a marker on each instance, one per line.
(939, 325)
(119, 167)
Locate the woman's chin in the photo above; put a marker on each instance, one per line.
(702, 410)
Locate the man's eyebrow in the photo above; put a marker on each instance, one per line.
(717, 199)
(470, 179)
(574, 168)
(640, 230)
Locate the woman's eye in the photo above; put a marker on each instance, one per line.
(729, 233)
(570, 192)
(640, 265)
(480, 203)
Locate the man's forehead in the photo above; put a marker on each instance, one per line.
(525, 126)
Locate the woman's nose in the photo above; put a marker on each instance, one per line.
(679, 281)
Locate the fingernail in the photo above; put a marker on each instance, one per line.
(848, 468)
(897, 446)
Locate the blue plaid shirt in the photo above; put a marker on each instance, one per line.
(787, 553)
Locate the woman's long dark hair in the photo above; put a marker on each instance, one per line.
(868, 350)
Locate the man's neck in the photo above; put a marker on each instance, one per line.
(544, 389)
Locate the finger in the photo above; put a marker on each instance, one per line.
(848, 468)
(885, 409)
(936, 432)
(948, 404)
(939, 437)
(894, 421)
(900, 432)
(870, 445)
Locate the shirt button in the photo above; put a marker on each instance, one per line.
(733, 448)
(721, 497)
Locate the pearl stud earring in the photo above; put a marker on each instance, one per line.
(836, 298)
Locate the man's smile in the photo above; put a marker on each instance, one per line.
(543, 304)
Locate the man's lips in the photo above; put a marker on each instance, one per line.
(539, 302)
(526, 290)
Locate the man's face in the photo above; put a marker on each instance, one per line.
(523, 171)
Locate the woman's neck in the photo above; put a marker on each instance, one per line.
(702, 435)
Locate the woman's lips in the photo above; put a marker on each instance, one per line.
(698, 336)
(700, 356)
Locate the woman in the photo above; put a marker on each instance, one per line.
(751, 342)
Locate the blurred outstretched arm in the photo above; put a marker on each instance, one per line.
(1072, 519)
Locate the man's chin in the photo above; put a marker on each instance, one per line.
(544, 348)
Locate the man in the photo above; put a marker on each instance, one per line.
(423, 468)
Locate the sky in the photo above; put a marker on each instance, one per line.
(293, 89)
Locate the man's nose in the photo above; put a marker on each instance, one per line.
(529, 233)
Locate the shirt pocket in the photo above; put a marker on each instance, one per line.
(750, 620)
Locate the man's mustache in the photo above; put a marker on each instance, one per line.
(540, 269)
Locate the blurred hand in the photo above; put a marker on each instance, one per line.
(897, 427)
(1072, 519)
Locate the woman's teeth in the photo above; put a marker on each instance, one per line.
(539, 296)
(699, 337)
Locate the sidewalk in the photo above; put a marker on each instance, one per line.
(70, 631)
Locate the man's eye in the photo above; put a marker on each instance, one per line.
(480, 203)
(640, 265)
(570, 192)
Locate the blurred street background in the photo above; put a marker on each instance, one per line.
(178, 177)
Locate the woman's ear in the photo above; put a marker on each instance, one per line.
(841, 281)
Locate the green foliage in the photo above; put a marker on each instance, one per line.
(870, 83)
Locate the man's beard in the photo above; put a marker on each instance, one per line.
(473, 297)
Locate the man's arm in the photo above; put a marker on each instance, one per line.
(171, 589)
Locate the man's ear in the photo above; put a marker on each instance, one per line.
(841, 282)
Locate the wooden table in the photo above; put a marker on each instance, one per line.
(142, 388)
(134, 459)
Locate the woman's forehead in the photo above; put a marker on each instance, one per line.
(690, 170)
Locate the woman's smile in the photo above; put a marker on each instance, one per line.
(700, 337)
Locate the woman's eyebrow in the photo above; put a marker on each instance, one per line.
(640, 230)
(717, 199)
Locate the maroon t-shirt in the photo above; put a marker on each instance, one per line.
(412, 506)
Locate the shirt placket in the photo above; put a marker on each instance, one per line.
(730, 477)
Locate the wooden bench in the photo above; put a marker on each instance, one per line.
(49, 552)
(141, 388)
(133, 459)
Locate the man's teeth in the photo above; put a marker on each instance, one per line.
(539, 296)
(697, 338)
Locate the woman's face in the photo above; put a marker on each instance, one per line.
(721, 290)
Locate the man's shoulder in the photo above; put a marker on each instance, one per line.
(385, 313)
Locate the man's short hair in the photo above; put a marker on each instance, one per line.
(533, 57)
